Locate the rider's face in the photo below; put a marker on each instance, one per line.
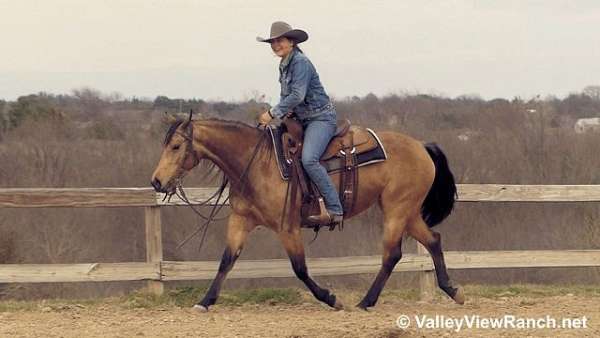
(282, 46)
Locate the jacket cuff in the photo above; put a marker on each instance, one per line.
(275, 113)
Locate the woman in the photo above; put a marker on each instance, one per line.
(303, 94)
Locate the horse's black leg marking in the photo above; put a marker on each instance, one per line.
(299, 265)
(387, 266)
(435, 249)
(227, 262)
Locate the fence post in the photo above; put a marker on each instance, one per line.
(426, 277)
(154, 249)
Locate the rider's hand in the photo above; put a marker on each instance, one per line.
(265, 118)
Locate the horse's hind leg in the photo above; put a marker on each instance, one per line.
(394, 227)
(433, 242)
(292, 242)
(238, 228)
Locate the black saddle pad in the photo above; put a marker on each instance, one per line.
(332, 165)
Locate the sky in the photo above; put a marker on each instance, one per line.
(208, 49)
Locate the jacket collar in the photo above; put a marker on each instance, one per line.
(286, 61)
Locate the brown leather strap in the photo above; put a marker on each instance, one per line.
(297, 179)
(355, 183)
(293, 196)
(301, 178)
(348, 182)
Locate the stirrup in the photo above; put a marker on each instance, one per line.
(323, 218)
(327, 219)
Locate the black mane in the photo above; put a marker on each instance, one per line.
(211, 169)
(171, 131)
(225, 123)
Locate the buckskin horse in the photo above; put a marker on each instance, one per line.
(414, 188)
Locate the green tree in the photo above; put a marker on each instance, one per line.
(162, 101)
(31, 106)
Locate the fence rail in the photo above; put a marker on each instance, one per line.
(147, 197)
(156, 271)
(335, 266)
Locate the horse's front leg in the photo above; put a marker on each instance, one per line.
(237, 232)
(292, 242)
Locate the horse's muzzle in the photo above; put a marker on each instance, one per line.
(157, 185)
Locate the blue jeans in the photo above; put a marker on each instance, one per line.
(318, 131)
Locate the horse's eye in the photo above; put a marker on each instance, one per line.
(175, 147)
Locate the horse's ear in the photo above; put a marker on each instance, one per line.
(189, 119)
(169, 119)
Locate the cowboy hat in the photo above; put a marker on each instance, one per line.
(280, 28)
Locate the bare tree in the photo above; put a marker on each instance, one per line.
(592, 91)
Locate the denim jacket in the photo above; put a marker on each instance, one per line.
(301, 89)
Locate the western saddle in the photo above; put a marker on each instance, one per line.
(340, 157)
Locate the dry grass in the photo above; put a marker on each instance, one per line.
(188, 296)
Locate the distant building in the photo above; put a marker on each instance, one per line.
(587, 124)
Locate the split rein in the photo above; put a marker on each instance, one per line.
(218, 205)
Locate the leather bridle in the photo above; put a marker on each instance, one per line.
(189, 146)
(217, 205)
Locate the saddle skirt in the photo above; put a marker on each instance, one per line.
(362, 142)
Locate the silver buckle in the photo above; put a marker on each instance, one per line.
(351, 151)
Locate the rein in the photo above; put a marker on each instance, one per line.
(217, 206)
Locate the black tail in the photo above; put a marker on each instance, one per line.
(440, 199)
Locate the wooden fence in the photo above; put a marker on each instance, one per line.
(155, 270)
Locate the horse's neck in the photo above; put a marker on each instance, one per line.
(228, 144)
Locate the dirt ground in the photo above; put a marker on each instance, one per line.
(307, 319)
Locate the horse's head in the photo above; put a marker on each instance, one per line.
(178, 156)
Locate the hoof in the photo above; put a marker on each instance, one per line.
(362, 307)
(338, 306)
(200, 308)
(459, 296)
